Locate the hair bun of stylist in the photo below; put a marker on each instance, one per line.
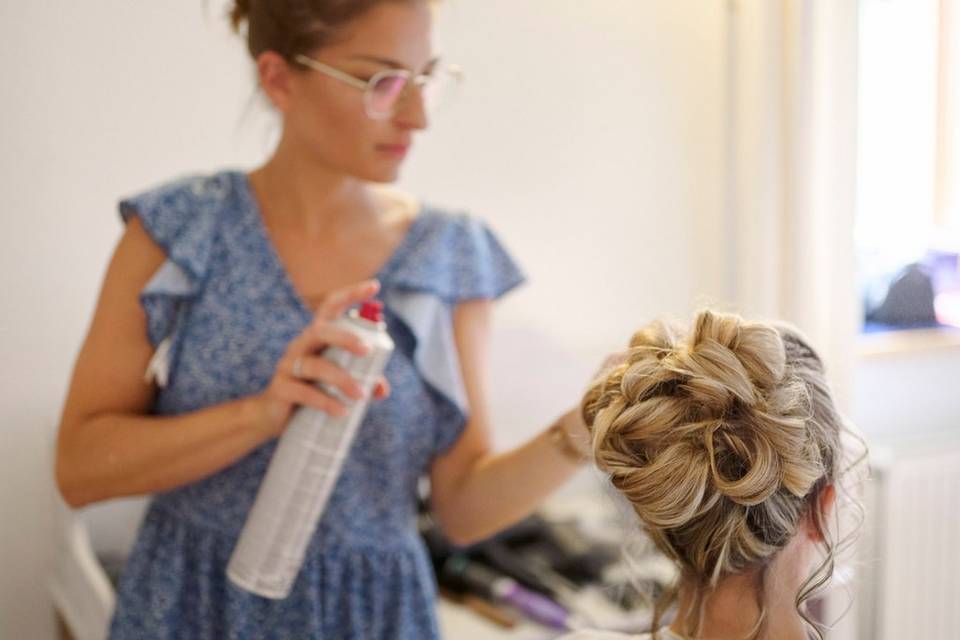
(239, 13)
(289, 27)
(719, 439)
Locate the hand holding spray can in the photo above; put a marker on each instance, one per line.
(304, 469)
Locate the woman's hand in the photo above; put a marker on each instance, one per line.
(610, 362)
(572, 421)
(301, 367)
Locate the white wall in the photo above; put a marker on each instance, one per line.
(99, 99)
(589, 135)
(912, 394)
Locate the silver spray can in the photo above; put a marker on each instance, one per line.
(304, 469)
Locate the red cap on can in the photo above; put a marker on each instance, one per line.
(372, 310)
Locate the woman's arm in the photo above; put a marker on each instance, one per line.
(107, 445)
(474, 492)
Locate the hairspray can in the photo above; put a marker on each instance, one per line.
(304, 469)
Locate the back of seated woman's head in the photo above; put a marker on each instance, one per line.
(726, 442)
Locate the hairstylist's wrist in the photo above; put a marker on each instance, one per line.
(569, 434)
(259, 415)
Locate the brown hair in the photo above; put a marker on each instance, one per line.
(721, 441)
(291, 27)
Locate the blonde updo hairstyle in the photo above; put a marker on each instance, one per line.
(721, 441)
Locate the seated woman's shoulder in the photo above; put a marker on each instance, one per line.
(603, 635)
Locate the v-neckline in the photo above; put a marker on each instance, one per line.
(251, 207)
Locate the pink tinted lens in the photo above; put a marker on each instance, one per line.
(384, 94)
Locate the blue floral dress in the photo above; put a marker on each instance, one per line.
(221, 311)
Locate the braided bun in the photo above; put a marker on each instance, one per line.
(711, 440)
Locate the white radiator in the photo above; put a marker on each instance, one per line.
(910, 556)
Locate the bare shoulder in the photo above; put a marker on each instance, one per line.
(136, 258)
(108, 374)
(602, 635)
(137, 252)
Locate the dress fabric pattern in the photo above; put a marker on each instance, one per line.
(224, 309)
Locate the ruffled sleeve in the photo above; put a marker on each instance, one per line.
(453, 258)
(458, 257)
(181, 217)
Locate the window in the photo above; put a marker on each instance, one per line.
(908, 218)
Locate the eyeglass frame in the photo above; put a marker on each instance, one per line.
(418, 80)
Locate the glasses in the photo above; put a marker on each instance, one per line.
(383, 92)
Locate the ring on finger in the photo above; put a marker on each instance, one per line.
(298, 367)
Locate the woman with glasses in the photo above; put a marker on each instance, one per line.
(224, 289)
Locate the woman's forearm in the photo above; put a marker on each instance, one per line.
(503, 488)
(111, 455)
